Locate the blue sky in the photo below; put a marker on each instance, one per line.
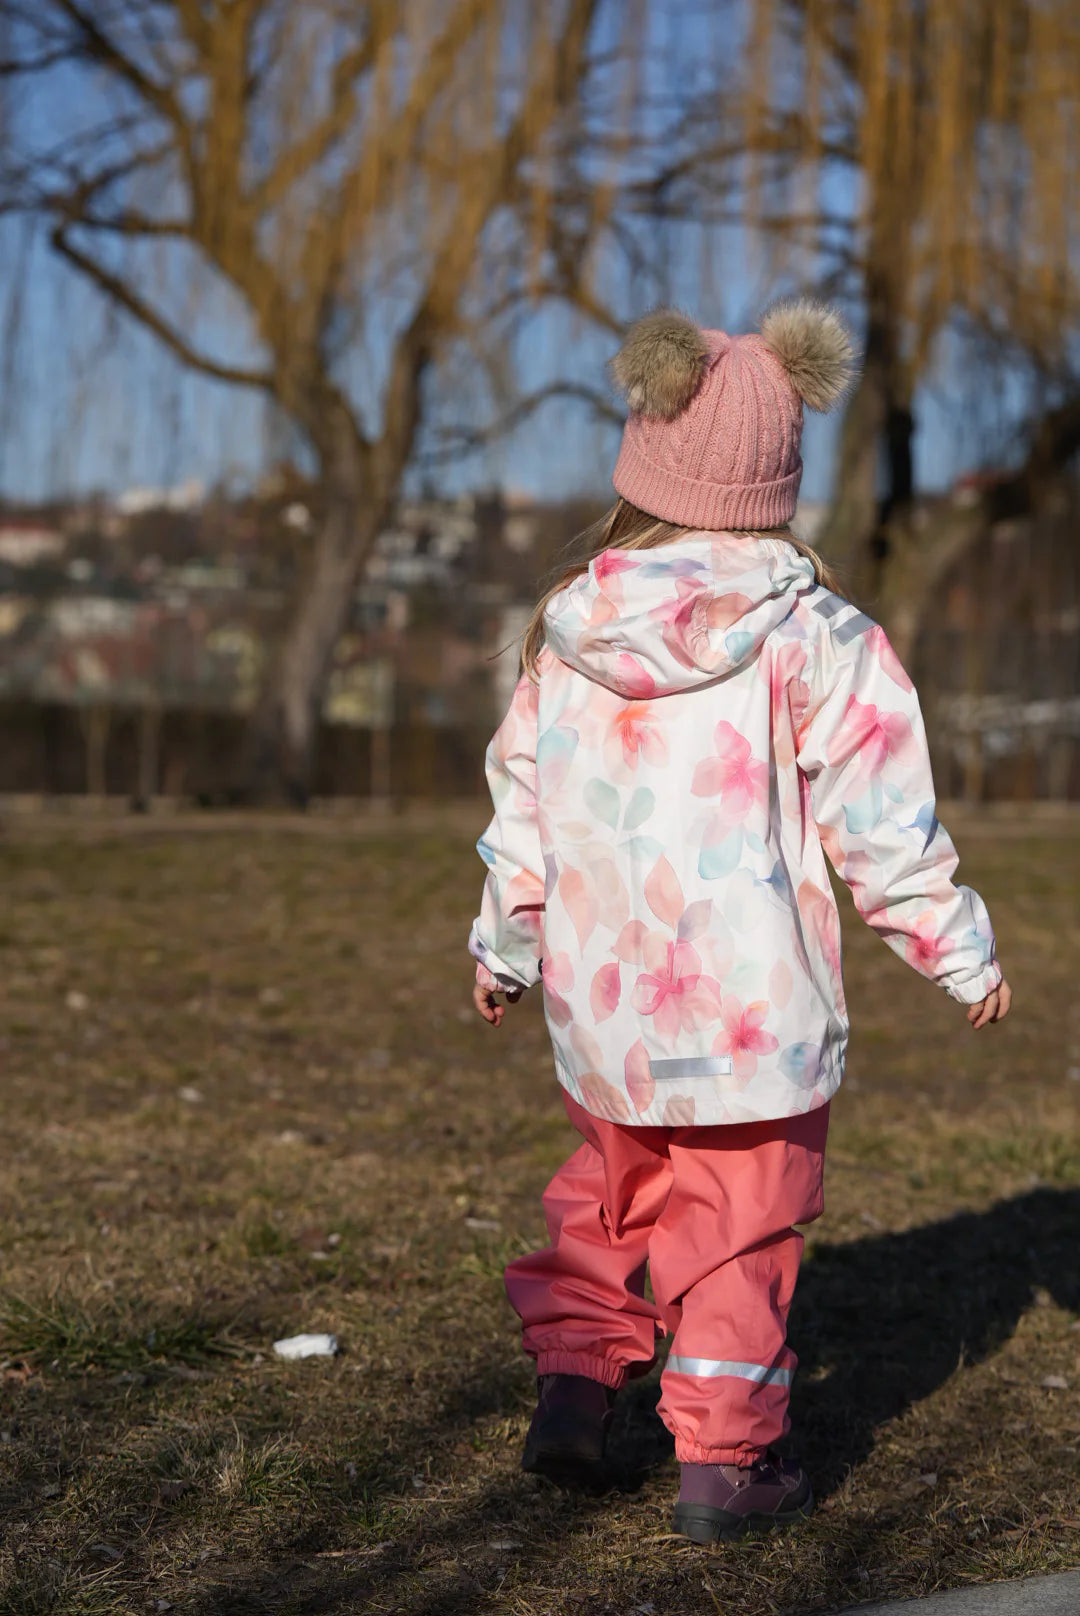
(89, 401)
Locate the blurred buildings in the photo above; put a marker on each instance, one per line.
(134, 634)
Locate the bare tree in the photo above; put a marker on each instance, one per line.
(915, 158)
(382, 185)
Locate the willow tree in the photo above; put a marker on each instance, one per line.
(918, 159)
(375, 181)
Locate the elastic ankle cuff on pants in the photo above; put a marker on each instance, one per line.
(580, 1363)
(743, 1453)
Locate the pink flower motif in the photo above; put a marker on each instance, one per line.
(739, 780)
(637, 1073)
(924, 948)
(691, 616)
(631, 679)
(635, 734)
(557, 974)
(821, 926)
(743, 1038)
(607, 569)
(789, 696)
(878, 641)
(873, 736)
(683, 627)
(604, 993)
(602, 1098)
(673, 990)
(679, 1111)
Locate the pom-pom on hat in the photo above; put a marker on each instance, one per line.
(715, 429)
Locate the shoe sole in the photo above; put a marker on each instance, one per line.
(570, 1471)
(701, 1524)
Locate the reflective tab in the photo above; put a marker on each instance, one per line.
(693, 1066)
(830, 604)
(853, 627)
(725, 1366)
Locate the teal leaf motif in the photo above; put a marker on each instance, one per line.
(721, 859)
(645, 849)
(738, 643)
(799, 1063)
(639, 808)
(863, 815)
(602, 801)
(556, 743)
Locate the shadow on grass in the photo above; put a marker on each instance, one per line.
(884, 1321)
(890, 1318)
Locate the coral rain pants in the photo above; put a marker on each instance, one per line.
(710, 1209)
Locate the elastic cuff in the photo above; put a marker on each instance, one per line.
(976, 988)
(581, 1363)
(743, 1453)
(502, 974)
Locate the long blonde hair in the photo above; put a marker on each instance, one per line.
(625, 527)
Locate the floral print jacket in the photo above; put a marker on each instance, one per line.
(709, 722)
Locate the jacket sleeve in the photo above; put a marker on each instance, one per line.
(507, 936)
(862, 748)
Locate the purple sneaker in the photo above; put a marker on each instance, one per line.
(566, 1438)
(725, 1500)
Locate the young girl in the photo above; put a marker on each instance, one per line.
(701, 718)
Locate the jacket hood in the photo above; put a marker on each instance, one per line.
(652, 622)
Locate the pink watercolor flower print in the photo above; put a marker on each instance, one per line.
(924, 948)
(672, 989)
(679, 1111)
(873, 736)
(604, 992)
(878, 641)
(557, 974)
(821, 925)
(602, 1098)
(608, 568)
(631, 679)
(635, 736)
(637, 1074)
(740, 780)
(683, 627)
(788, 696)
(744, 1037)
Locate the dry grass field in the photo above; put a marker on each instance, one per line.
(243, 1096)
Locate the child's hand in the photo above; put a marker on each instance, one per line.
(995, 1007)
(486, 1001)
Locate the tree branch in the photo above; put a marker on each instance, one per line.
(116, 288)
(313, 146)
(468, 440)
(13, 67)
(100, 46)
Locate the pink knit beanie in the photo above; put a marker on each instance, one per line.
(715, 426)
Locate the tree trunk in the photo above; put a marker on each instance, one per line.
(875, 479)
(280, 753)
(916, 561)
(854, 515)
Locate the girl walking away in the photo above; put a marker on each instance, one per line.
(700, 720)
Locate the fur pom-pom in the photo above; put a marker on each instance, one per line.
(660, 364)
(814, 345)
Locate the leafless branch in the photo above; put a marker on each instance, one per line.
(468, 440)
(128, 299)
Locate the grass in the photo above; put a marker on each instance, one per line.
(244, 1097)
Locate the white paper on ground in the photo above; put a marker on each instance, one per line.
(306, 1346)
